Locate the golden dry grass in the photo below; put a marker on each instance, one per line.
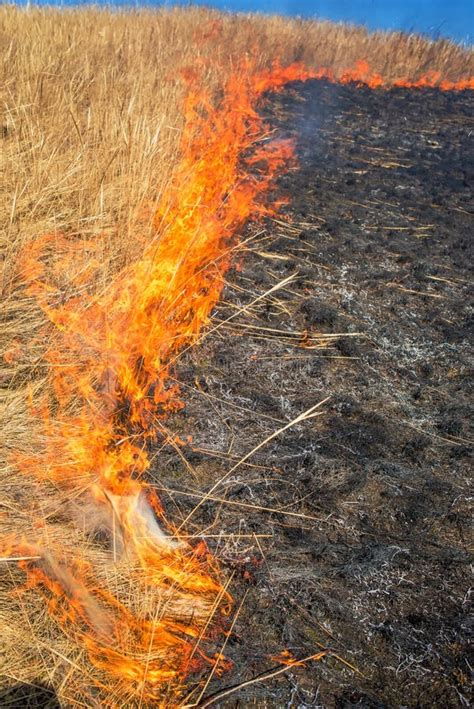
(90, 123)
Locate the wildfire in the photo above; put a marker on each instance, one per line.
(109, 361)
(362, 74)
(110, 358)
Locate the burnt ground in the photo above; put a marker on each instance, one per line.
(373, 562)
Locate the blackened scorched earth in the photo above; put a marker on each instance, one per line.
(373, 561)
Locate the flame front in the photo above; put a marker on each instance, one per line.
(362, 74)
(110, 358)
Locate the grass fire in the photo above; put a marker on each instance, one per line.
(233, 352)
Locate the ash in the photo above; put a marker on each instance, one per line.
(349, 531)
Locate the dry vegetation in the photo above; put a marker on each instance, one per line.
(91, 117)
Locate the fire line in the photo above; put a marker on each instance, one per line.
(110, 361)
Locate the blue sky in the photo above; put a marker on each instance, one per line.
(453, 18)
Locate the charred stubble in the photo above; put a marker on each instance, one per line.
(378, 233)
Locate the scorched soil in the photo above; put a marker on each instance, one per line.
(372, 562)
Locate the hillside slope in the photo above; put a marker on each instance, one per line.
(371, 561)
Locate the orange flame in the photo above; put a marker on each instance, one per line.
(110, 358)
(362, 74)
(109, 362)
(286, 657)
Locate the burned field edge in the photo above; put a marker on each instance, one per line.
(371, 559)
(348, 532)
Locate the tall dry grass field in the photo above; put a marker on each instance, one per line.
(90, 124)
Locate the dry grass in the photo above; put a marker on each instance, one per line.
(91, 118)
